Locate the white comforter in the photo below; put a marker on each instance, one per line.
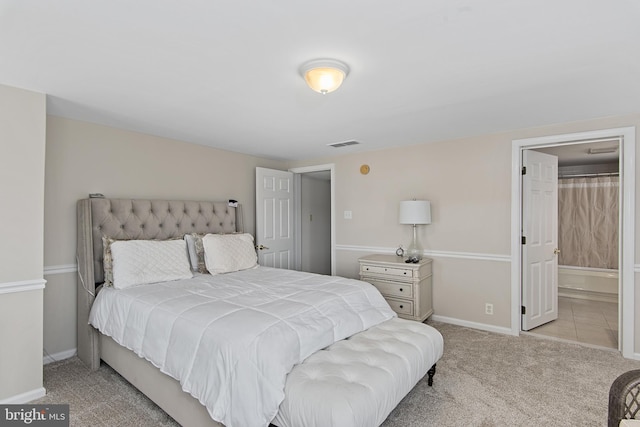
(231, 339)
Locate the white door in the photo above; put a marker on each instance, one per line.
(540, 239)
(274, 218)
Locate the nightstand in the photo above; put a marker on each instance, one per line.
(407, 287)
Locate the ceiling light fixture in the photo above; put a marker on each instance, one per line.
(324, 75)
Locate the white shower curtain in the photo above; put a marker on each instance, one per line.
(588, 221)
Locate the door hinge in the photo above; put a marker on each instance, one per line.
(524, 240)
(524, 170)
(524, 310)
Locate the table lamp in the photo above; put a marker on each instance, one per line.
(415, 212)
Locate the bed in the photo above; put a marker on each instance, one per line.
(353, 375)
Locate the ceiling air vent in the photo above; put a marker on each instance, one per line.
(343, 144)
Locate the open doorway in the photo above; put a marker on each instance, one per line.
(626, 291)
(315, 218)
(587, 283)
(314, 221)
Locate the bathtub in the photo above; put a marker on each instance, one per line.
(597, 284)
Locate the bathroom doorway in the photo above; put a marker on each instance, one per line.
(626, 288)
(588, 243)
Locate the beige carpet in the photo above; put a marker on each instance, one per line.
(484, 379)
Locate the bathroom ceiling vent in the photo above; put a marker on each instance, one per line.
(343, 144)
(603, 150)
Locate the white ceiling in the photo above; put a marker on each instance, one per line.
(225, 73)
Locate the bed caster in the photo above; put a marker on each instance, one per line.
(431, 372)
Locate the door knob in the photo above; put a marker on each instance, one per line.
(556, 251)
(261, 247)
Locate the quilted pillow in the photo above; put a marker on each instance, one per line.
(224, 253)
(138, 262)
(196, 252)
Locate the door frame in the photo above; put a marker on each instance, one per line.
(297, 193)
(627, 226)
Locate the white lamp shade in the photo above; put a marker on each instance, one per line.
(415, 212)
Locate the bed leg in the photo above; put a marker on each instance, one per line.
(431, 372)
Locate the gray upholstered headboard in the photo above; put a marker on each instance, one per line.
(135, 219)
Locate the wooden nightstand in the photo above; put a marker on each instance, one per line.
(407, 287)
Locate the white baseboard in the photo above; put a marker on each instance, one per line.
(50, 358)
(473, 325)
(587, 295)
(25, 397)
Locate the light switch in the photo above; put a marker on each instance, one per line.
(348, 215)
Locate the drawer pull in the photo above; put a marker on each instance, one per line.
(405, 273)
(400, 289)
(401, 306)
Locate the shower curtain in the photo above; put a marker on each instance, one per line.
(588, 221)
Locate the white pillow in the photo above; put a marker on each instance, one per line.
(138, 262)
(224, 253)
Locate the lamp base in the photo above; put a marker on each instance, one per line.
(413, 256)
(414, 251)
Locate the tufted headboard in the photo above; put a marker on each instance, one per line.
(135, 219)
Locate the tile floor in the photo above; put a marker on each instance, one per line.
(585, 321)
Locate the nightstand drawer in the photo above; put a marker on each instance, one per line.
(402, 290)
(375, 269)
(401, 307)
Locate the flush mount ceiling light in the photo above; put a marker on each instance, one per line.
(324, 75)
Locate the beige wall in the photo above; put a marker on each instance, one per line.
(468, 182)
(21, 353)
(85, 158)
(22, 152)
(22, 147)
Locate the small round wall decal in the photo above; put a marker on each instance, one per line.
(364, 169)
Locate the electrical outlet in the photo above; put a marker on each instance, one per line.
(348, 215)
(488, 308)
